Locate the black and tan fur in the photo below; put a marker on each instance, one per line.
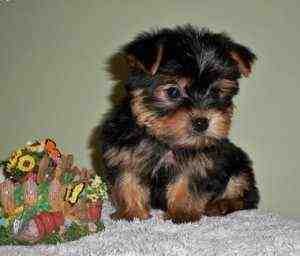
(166, 144)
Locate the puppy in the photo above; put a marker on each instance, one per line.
(166, 144)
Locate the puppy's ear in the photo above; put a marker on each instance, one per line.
(243, 57)
(144, 54)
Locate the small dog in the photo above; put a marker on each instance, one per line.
(166, 145)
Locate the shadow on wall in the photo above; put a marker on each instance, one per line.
(117, 67)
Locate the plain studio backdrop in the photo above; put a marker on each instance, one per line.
(53, 80)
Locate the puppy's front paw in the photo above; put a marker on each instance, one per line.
(223, 207)
(216, 209)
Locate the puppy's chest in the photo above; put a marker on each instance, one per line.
(176, 163)
(151, 159)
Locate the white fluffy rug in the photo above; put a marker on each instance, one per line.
(241, 233)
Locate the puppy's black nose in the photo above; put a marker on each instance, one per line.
(200, 124)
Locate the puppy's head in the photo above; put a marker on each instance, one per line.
(182, 81)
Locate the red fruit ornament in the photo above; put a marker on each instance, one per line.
(94, 211)
(40, 225)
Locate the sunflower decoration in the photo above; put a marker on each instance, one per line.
(26, 163)
(13, 160)
(20, 162)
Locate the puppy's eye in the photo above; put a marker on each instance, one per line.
(173, 92)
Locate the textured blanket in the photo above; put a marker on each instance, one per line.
(240, 233)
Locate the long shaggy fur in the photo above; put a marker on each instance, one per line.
(166, 144)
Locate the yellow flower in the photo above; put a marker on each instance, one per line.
(15, 212)
(96, 182)
(10, 165)
(13, 160)
(93, 197)
(16, 154)
(26, 163)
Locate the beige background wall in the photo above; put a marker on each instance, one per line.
(53, 83)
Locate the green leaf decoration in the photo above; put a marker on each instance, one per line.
(38, 156)
(43, 206)
(28, 214)
(67, 178)
(43, 189)
(5, 236)
(19, 195)
(75, 231)
(43, 198)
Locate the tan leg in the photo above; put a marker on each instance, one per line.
(232, 198)
(181, 205)
(130, 198)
